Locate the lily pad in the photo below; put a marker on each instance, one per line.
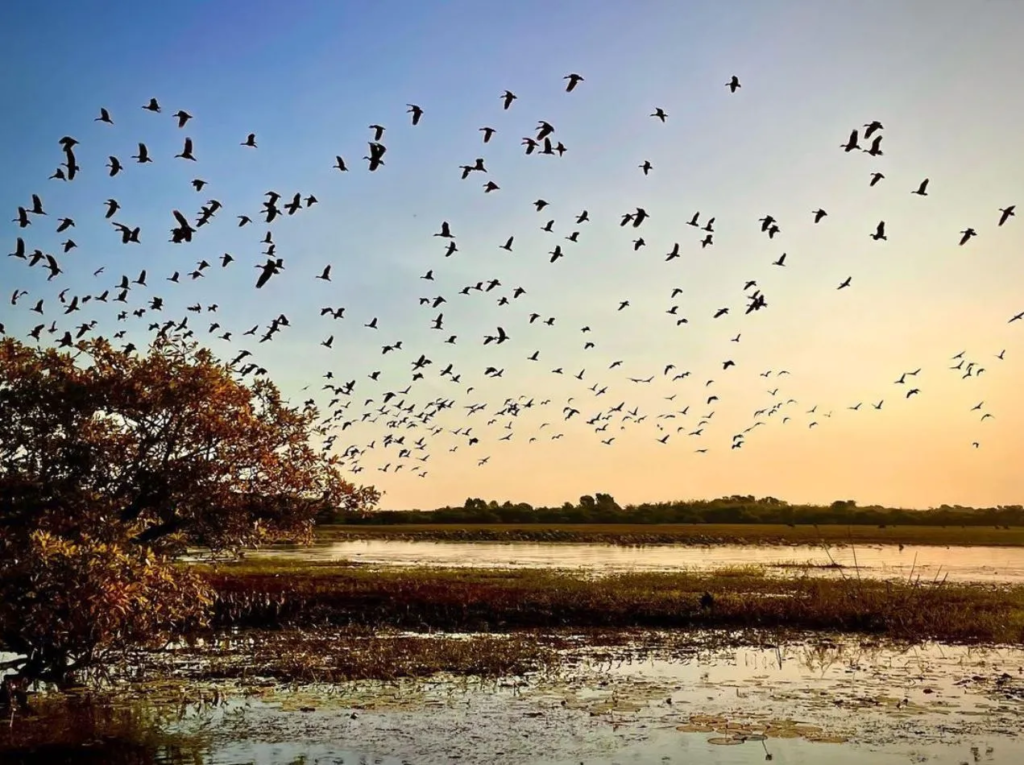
(724, 741)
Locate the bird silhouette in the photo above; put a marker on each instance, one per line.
(143, 156)
(186, 152)
(408, 403)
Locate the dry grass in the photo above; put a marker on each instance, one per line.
(329, 655)
(681, 533)
(274, 593)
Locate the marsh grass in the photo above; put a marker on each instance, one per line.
(285, 594)
(637, 534)
(335, 655)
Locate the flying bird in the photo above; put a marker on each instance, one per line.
(872, 127)
(186, 152)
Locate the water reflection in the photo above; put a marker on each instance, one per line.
(930, 703)
(965, 564)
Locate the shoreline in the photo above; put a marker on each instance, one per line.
(636, 534)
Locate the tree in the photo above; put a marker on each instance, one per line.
(111, 466)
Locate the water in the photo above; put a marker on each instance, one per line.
(963, 564)
(842, 700)
(839, 701)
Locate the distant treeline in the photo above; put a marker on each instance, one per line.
(602, 508)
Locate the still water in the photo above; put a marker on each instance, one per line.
(964, 564)
(838, 701)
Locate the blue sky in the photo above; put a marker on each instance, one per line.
(309, 77)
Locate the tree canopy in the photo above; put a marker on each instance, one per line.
(602, 508)
(112, 464)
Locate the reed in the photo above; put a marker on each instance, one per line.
(284, 594)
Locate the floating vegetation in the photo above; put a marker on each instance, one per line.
(340, 655)
(732, 732)
(635, 701)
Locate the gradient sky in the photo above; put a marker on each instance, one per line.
(309, 77)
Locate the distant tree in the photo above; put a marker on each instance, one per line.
(111, 466)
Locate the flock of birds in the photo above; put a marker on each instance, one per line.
(412, 425)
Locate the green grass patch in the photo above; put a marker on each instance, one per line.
(682, 533)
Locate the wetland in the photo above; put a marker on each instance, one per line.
(321, 655)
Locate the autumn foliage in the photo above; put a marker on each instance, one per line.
(111, 466)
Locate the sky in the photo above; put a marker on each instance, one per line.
(308, 78)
